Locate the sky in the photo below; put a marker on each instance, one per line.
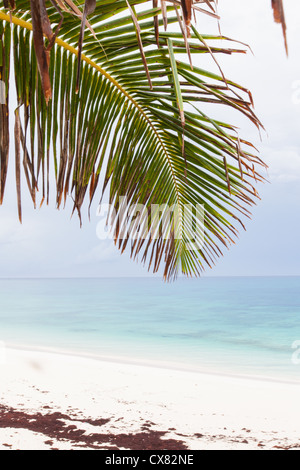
(51, 244)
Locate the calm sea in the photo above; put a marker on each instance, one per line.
(240, 326)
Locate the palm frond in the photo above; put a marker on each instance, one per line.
(279, 17)
(132, 135)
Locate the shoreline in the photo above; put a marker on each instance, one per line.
(149, 363)
(61, 401)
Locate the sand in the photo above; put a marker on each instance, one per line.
(60, 401)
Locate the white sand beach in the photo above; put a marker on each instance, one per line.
(57, 401)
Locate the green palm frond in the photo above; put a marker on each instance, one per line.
(151, 148)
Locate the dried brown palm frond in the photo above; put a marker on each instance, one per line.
(279, 17)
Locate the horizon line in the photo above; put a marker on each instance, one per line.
(145, 277)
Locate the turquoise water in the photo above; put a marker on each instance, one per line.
(239, 326)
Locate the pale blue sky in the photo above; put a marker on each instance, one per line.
(49, 244)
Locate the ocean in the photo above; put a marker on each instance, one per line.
(244, 326)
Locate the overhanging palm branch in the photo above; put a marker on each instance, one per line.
(135, 128)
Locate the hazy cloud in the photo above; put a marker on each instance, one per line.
(284, 164)
(104, 251)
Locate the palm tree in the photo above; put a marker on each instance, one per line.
(110, 96)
